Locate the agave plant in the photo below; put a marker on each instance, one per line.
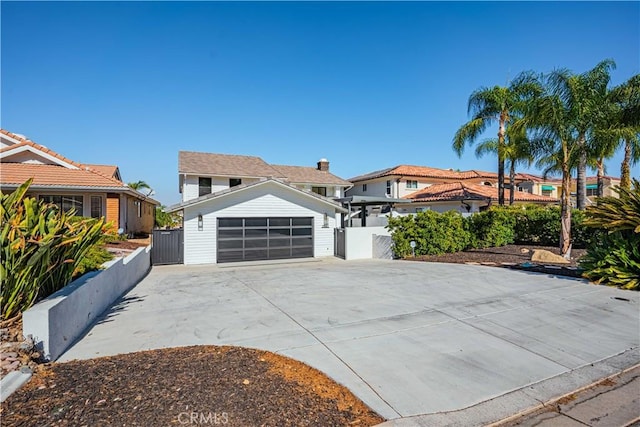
(40, 248)
(614, 259)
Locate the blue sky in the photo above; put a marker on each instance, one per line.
(368, 85)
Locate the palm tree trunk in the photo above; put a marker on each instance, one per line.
(600, 166)
(581, 179)
(512, 179)
(565, 216)
(501, 133)
(625, 167)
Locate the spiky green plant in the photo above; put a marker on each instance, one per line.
(40, 247)
(614, 259)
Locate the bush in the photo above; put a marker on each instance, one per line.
(434, 233)
(492, 228)
(93, 260)
(614, 257)
(40, 249)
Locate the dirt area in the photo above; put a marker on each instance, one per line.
(188, 385)
(510, 256)
(16, 351)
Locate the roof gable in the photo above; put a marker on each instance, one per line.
(244, 187)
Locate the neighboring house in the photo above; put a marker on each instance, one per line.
(400, 181)
(552, 187)
(464, 198)
(91, 190)
(240, 208)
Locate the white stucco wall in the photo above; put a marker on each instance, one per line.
(441, 207)
(267, 200)
(359, 241)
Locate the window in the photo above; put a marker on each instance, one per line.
(592, 192)
(364, 187)
(96, 206)
(139, 208)
(389, 187)
(546, 193)
(234, 181)
(66, 203)
(320, 190)
(412, 184)
(204, 186)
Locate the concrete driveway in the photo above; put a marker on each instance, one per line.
(408, 338)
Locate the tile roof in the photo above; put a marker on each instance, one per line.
(464, 191)
(234, 165)
(55, 176)
(108, 170)
(225, 164)
(425, 172)
(309, 175)
(26, 142)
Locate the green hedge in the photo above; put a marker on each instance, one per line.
(437, 233)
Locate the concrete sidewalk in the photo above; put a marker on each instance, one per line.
(409, 339)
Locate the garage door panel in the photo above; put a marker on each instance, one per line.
(262, 238)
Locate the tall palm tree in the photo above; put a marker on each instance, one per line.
(497, 105)
(625, 124)
(583, 96)
(551, 122)
(517, 150)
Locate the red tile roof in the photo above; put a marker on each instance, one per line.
(107, 170)
(425, 172)
(55, 176)
(463, 191)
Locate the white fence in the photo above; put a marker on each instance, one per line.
(359, 241)
(57, 321)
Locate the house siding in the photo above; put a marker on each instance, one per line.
(262, 201)
(190, 188)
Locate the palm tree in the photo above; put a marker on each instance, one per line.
(551, 122)
(625, 124)
(517, 150)
(139, 186)
(499, 105)
(583, 96)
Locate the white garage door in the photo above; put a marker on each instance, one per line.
(251, 239)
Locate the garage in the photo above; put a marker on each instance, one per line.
(265, 238)
(264, 220)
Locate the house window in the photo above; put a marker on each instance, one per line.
(234, 181)
(412, 184)
(546, 193)
(66, 203)
(592, 192)
(204, 186)
(96, 206)
(320, 190)
(364, 187)
(389, 187)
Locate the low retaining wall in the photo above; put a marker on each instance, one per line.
(57, 321)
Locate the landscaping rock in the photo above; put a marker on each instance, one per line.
(543, 256)
(524, 251)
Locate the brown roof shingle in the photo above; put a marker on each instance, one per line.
(225, 165)
(463, 191)
(309, 175)
(233, 165)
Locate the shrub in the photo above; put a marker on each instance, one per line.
(614, 258)
(494, 227)
(434, 233)
(40, 248)
(92, 260)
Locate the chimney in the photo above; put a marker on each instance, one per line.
(323, 165)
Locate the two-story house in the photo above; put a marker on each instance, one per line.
(89, 190)
(241, 208)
